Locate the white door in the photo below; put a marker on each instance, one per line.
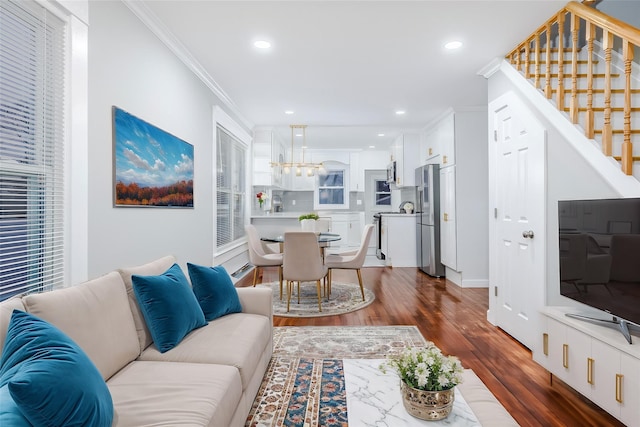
(517, 257)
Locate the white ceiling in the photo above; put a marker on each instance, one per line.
(345, 67)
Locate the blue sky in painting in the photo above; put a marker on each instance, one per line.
(147, 155)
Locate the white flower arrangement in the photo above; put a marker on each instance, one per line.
(426, 368)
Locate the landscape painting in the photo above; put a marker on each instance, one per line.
(152, 168)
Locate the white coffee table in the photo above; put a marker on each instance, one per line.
(373, 399)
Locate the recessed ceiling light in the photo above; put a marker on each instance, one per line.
(400, 112)
(453, 45)
(298, 134)
(372, 146)
(381, 134)
(288, 112)
(262, 44)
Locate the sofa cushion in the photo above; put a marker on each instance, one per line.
(50, 378)
(236, 340)
(96, 315)
(175, 394)
(169, 307)
(6, 309)
(153, 268)
(214, 290)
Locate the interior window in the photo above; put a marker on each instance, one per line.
(32, 54)
(331, 191)
(230, 188)
(382, 195)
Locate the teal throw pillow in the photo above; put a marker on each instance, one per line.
(10, 414)
(169, 307)
(214, 290)
(49, 378)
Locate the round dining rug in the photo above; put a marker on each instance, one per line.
(345, 298)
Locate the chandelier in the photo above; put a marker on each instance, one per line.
(298, 167)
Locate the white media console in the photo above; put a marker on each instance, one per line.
(595, 359)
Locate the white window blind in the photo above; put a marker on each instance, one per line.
(331, 191)
(230, 188)
(32, 75)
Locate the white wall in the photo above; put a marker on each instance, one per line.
(569, 176)
(130, 68)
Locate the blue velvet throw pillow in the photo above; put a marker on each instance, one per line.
(169, 307)
(214, 290)
(49, 378)
(10, 414)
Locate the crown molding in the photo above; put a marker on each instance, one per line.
(160, 30)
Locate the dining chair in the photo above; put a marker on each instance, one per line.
(350, 260)
(261, 256)
(302, 262)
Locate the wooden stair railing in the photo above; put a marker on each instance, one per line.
(583, 27)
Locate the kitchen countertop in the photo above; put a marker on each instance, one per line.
(290, 215)
(399, 215)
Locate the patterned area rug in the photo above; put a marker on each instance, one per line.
(304, 383)
(345, 298)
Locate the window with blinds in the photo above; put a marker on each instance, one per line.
(331, 191)
(32, 75)
(230, 188)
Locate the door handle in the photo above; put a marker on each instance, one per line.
(527, 234)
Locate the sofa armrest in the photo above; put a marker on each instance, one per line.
(256, 301)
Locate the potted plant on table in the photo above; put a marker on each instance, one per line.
(428, 379)
(308, 221)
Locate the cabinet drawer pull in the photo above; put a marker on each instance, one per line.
(446, 217)
(619, 378)
(545, 344)
(430, 151)
(590, 370)
(444, 160)
(565, 355)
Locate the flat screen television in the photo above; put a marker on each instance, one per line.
(599, 249)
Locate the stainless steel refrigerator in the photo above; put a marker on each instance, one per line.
(428, 220)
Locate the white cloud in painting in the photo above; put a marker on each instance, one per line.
(185, 166)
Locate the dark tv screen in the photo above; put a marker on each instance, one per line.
(599, 242)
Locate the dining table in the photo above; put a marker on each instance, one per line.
(323, 240)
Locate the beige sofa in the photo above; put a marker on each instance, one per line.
(209, 379)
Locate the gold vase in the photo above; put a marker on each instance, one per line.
(427, 405)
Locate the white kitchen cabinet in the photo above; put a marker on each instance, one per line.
(361, 161)
(398, 234)
(593, 359)
(404, 151)
(356, 173)
(448, 234)
(267, 148)
(349, 227)
(446, 136)
(461, 138)
(429, 148)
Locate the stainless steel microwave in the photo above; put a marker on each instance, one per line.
(391, 173)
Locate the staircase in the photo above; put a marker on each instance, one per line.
(582, 60)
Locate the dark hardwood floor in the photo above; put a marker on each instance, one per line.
(454, 319)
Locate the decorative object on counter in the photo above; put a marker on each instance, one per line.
(311, 168)
(308, 221)
(262, 197)
(427, 380)
(408, 207)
